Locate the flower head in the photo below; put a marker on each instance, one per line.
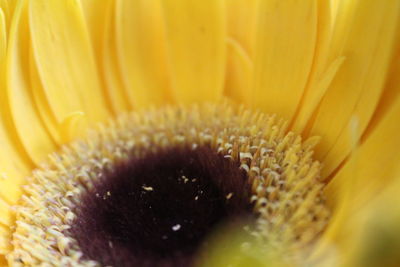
(132, 130)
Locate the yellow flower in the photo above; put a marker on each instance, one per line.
(329, 68)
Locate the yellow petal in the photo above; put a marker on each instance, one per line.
(39, 97)
(285, 47)
(375, 231)
(8, 8)
(241, 22)
(97, 19)
(24, 115)
(314, 94)
(196, 39)
(117, 93)
(72, 127)
(368, 235)
(391, 90)
(3, 36)
(64, 59)
(94, 13)
(377, 158)
(358, 84)
(100, 19)
(371, 167)
(239, 73)
(335, 6)
(141, 51)
(14, 163)
(322, 72)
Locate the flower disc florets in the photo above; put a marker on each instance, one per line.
(153, 184)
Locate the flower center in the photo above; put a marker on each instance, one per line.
(160, 207)
(148, 188)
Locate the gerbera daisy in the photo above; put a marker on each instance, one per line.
(135, 132)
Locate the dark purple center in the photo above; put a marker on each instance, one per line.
(157, 210)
